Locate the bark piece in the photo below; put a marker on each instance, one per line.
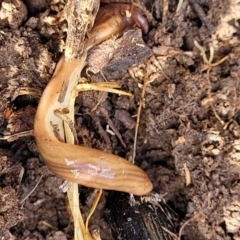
(116, 54)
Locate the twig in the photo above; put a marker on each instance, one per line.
(39, 180)
(79, 15)
(185, 224)
(105, 87)
(208, 67)
(138, 116)
(201, 14)
(173, 235)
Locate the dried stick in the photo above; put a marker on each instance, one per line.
(80, 15)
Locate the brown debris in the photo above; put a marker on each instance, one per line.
(117, 54)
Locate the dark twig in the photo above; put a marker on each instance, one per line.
(201, 14)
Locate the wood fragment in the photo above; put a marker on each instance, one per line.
(79, 15)
(118, 54)
(187, 175)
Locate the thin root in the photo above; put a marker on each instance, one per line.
(209, 66)
(208, 62)
(186, 223)
(39, 180)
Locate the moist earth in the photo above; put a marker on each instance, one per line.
(188, 136)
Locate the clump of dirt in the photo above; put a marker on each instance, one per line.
(188, 140)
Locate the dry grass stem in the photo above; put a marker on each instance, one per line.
(208, 68)
(187, 176)
(78, 26)
(93, 208)
(185, 224)
(104, 87)
(208, 62)
(15, 136)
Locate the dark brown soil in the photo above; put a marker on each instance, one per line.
(189, 125)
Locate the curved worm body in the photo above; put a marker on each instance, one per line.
(86, 166)
(113, 19)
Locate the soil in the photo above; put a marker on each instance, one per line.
(188, 141)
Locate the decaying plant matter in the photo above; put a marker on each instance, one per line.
(55, 116)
